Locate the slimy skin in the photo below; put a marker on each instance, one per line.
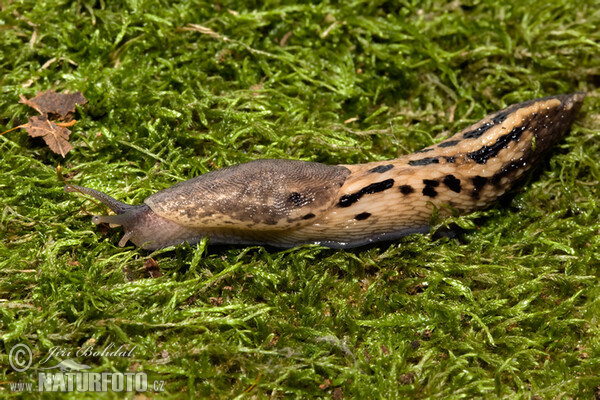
(286, 203)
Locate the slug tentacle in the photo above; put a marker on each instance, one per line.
(113, 204)
(286, 203)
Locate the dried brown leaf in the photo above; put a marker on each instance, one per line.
(56, 137)
(59, 106)
(152, 268)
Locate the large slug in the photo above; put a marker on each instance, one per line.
(286, 203)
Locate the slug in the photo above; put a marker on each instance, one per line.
(286, 203)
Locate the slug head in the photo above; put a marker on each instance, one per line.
(142, 226)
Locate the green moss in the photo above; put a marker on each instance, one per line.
(507, 308)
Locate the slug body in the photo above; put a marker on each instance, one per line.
(285, 203)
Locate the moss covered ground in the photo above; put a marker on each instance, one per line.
(508, 307)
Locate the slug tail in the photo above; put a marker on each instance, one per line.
(113, 204)
(552, 129)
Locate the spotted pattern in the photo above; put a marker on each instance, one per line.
(449, 143)
(380, 169)
(406, 189)
(452, 183)
(429, 189)
(423, 161)
(348, 199)
(362, 216)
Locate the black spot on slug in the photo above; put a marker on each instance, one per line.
(429, 190)
(450, 159)
(423, 151)
(348, 199)
(362, 216)
(381, 168)
(449, 143)
(424, 161)
(308, 216)
(482, 155)
(377, 187)
(406, 189)
(475, 133)
(478, 183)
(452, 183)
(501, 116)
